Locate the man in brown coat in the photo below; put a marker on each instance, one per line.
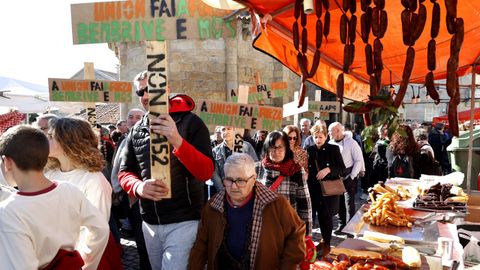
(247, 226)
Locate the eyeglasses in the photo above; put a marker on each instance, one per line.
(292, 138)
(228, 181)
(142, 91)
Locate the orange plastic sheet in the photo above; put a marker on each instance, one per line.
(276, 40)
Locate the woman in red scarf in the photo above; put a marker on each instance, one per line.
(282, 174)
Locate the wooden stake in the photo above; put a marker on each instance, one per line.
(90, 110)
(238, 139)
(158, 105)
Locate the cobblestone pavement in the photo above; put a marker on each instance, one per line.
(130, 255)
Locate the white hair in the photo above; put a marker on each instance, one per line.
(240, 161)
(334, 124)
(303, 120)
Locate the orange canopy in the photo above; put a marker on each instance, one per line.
(463, 117)
(276, 40)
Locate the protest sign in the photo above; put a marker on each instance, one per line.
(247, 116)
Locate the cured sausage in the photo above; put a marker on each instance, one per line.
(451, 25)
(406, 26)
(432, 58)
(303, 93)
(301, 64)
(347, 56)
(375, 21)
(318, 34)
(318, 8)
(435, 20)
(451, 6)
(296, 37)
(413, 25)
(379, 3)
(340, 85)
(369, 58)
(343, 28)
(326, 4)
(326, 24)
(457, 39)
(405, 4)
(373, 86)
(315, 63)
(452, 118)
(420, 24)
(383, 23)
(352, 27)
(431, 90)
(377, 54)
(298, 9)
(407, 72)
(303, 19)
(412, 5)
(304, 40)
(364, 4)
(365, 24)
(346, 5)
(353, 6)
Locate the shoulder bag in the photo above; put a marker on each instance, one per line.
(331, 187)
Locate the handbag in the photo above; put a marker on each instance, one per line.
(331, 187)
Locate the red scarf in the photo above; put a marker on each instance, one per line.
(287, 168)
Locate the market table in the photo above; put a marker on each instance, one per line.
(429, 225)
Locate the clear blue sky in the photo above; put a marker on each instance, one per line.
(36, 42)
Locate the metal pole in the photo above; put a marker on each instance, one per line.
(470, 142)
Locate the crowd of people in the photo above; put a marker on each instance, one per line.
(78, 188)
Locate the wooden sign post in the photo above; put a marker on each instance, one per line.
(238, 133)
(90, 110)
(158, 105)
(155, 21)
(262, 93)
(291, 108)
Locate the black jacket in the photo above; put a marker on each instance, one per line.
(327, 156)
(187, 192)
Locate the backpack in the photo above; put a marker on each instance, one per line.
(402, 166)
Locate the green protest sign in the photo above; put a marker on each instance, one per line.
(239, 115)
(89, 91)
(154, 20)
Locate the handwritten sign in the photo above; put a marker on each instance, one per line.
(90, 91)
(154, 20)
(291, 108)
(247, 116)
(324, 106)
(158, 104)
(262, 92)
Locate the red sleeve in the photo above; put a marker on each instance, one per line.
(129, 182)
(198, 164)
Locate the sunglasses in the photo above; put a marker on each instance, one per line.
(142, 91)
(292, 138)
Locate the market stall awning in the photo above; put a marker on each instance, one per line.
(276, 40)
(463, 117)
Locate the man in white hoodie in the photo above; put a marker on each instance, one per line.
(353, 159)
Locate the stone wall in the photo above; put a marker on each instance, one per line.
(208, 69)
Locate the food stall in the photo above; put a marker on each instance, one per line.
(399, 42)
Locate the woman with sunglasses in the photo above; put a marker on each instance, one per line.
(299, 155)
(282, 174)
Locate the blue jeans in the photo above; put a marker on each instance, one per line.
(169, 245)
